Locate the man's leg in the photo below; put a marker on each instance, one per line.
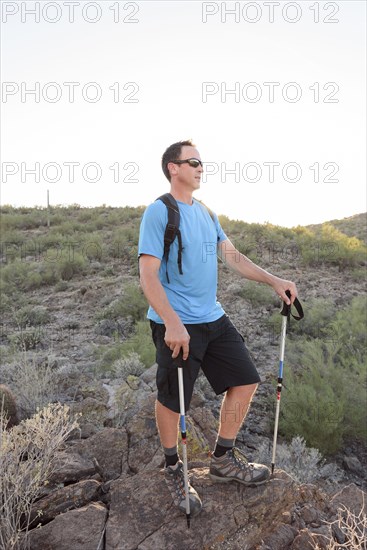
(229, 463)
(234, 408)
(167, 423)
(233, 412)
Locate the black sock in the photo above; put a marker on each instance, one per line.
(222, 446)
(171, 455)
(171, 460)
(220, 450)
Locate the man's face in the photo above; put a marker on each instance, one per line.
(188, 175)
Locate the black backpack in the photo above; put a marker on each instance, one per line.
(173, 228)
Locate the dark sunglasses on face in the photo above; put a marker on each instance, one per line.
(192, 162)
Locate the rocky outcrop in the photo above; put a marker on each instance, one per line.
(135, 512)
(107, 492)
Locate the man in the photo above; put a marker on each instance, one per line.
(187, 319)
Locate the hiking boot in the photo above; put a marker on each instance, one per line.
(174, 476)
(233, 466)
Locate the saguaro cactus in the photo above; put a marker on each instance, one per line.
(8, 405)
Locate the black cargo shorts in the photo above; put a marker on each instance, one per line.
(217, 347)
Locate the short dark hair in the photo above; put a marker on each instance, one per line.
(172, 153)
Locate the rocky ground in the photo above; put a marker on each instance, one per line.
(108, 492)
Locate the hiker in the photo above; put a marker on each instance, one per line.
(179, 280)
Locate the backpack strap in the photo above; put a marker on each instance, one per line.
(172, 230)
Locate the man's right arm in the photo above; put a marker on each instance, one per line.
(176, 336)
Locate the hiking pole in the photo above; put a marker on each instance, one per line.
(286, 313)
(279, 389)
(183, 441)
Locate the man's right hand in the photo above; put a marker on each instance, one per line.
(177, 338)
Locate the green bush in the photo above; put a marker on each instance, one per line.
(328, 245)
(20, 275)
(139, 343)
(68, 268)
(132, 304)
(325, 399)
(5, 303)
(25, 340)
(31, 316)
(258, 294)
(319, 313)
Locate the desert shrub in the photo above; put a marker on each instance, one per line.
(27, 454)
(319, 313)
(353, 528)
(34, 382)
(131, 364)
(358, 274)
(26, 339)
(8, 406)
(12, 244)
(92, 247)
(258, 294)
(124, 239)
(324, 401)
(68, 268)
(349, 330)
(325, 377)
(5, 303)
(31, 316)
(140, 343)
(132, 303)
(61, 286)
(23, 276)
(331, 246)
(17, 275)
(305, 464)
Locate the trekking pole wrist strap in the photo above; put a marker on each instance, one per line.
(286, 310)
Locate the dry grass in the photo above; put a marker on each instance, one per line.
(351, 528)
(26, 461)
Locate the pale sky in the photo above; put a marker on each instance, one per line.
(147, 74)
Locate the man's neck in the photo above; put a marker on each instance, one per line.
(182, 195)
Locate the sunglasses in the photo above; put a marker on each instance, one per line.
(192, 162)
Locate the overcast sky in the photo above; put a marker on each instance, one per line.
(272, 93)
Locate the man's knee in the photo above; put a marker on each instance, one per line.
(243, 393)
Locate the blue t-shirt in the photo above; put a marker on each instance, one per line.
(192, 295)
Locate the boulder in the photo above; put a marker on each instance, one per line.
(92, 412)
(79, 529)
(108, 449)
(351, 498)
(70, 467)
(64, 499)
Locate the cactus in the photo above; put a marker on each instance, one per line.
(9, 406)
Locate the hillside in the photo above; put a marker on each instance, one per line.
(74, 331)
(353, 226)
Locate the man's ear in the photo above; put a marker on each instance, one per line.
(172, 168)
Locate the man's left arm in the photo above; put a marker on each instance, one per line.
(228, 253)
